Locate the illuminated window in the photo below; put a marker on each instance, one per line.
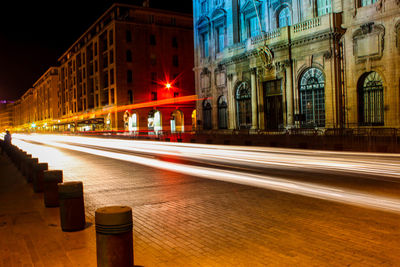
(312, 97)
(367, 2)
(324, 7)
(284, 18)
(204, 45)
(370, 95)
(253, 27)
(204, 6)
(220, 31)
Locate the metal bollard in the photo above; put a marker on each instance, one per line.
(114, 241)
(51, 179)
(72, 208)
(31, 168)
(38, 176)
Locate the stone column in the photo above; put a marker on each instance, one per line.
(254, 111)
(289, 95)
(231, 102)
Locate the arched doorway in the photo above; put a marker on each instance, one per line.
(370, 100)
(154, 121)
(312, 97)
(207, 115)
(177, 121)
(133, 123)
(194, 120)
(222, 113)
(243, 105)
(126, 119)
(108, 122)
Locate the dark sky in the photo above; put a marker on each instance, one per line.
(34, 34)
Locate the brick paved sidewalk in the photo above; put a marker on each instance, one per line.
(31, 234)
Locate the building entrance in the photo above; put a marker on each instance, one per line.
(273, 104)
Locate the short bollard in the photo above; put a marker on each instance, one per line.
(24, 165)
(38, 176)
(31, 168)
(72, 208)
(51, 179)
(114, 241)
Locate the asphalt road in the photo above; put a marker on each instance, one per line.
(212, 205)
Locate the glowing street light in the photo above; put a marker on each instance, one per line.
(168, 85)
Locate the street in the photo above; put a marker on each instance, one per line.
(240, 206)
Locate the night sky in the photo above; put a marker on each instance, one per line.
(34, 34)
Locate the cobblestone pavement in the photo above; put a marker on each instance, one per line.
(186, 221)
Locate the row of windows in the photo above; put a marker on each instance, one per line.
(152, 39)
(252, 23)
(312, 102)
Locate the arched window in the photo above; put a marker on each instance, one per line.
(207, 115)
(154, 121)
(243, 105)
(284, 17)
(177, 122)
(127, 116)
(370, 93)
(133, 123)
(222, 113)
(312, 97)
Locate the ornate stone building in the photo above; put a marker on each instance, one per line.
(269, 65)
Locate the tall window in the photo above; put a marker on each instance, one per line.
(204, 45)
(312, 97)
(220, 39)
(284, 18)
(130, 97)
(207, 115)
(128, 36)
(204, 6)
(371, 107)
(222, 113)
(128, 56)
(367, 2)
(152, 39)
(323, 7)
(243, 105)
(129, 76)
(253, 27)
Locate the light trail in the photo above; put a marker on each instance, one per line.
(257, 157)
(346, 196)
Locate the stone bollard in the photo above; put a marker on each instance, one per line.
(31, 168)
(38, 176)
(72, 208)
(114, 241)
(51, 179)
(24, 164)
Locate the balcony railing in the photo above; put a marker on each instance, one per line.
(306, 25)
(266, 36)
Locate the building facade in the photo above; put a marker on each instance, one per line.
(131, 70)
(273, 65)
